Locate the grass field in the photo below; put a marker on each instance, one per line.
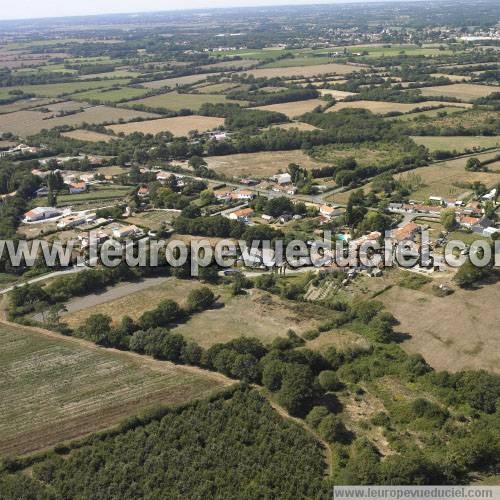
(174, 82)
(26, 123)
(256, 314)
(175, 102)
(130, 299)
(87, 135)
(300, 125)
(294, 109)
(216, 88)
(57, 89)
(54, 388)
(304, 71)
(457, 143)
(179, 126)
(431, 113)
(442, 179)
(463, 91)
(100, 193)
(338, 95)
(377, 153)
(110, 96)
(447, 340)
(383, 107)
(469, 118)
(259, 165)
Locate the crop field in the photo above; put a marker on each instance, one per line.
(26, 123)
(256, 314)
(111, 95)
(23, 104)
(383, 107)
(216, 88)
(58, 89)
(457, 143)
(227, 65)
(179, 126)
(300, 125)
(294, 109)
(338, 95)
(304, 71)
(55, 388)
(130, 299)
(441, 335)
(311, 60)
(453, 78)
(462, 91)
(87, 135)
(175, 102)
(175, 82)
(259, 165)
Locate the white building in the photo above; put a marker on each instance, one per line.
(41, 213)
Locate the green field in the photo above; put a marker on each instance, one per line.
(175, 102)
(457, 143)
(431, 113)
(55, 388)
(102, 193)
(110, 96)
(57, 89)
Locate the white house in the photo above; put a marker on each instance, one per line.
(41, 213)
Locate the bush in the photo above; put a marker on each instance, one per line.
(316, 415)
(329, 381)
(200, 299)
(332, 429)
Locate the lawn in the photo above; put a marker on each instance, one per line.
(179, 126)
(175, 102)
(260, 165)
(54, 388)
(457, 143)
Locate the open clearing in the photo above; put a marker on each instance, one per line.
(468, 119)
(55, 388)
(175, 102)
(26, 123)
(130, 299)
(447, 340)
(431, 113)
(87, 135)
(443, 178)
(382, 107)
(179, 126)
(339, 95)
(304, 127)
(294, 109)
(462, 91)
(259, 165)
(304, 71)
(257, 314)
(457, 143)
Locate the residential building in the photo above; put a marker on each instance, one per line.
(41, 213)
(77, 187)
(242, 215)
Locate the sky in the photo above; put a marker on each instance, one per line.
(30, 9)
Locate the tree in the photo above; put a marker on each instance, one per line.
(473, 165)
(296, 390)
(95, 328)
(316, 415)
(332, 429)
(448, 219)
(200, 299)
(272, 375)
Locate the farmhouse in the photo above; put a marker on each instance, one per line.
(327, 211)
(243, 194)
(468, 221)
(407, 232)
(123, 232)
(77, 187)
(241, 215)
(41, 213)
(223, 194)
(72, 221)
(286, 189)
